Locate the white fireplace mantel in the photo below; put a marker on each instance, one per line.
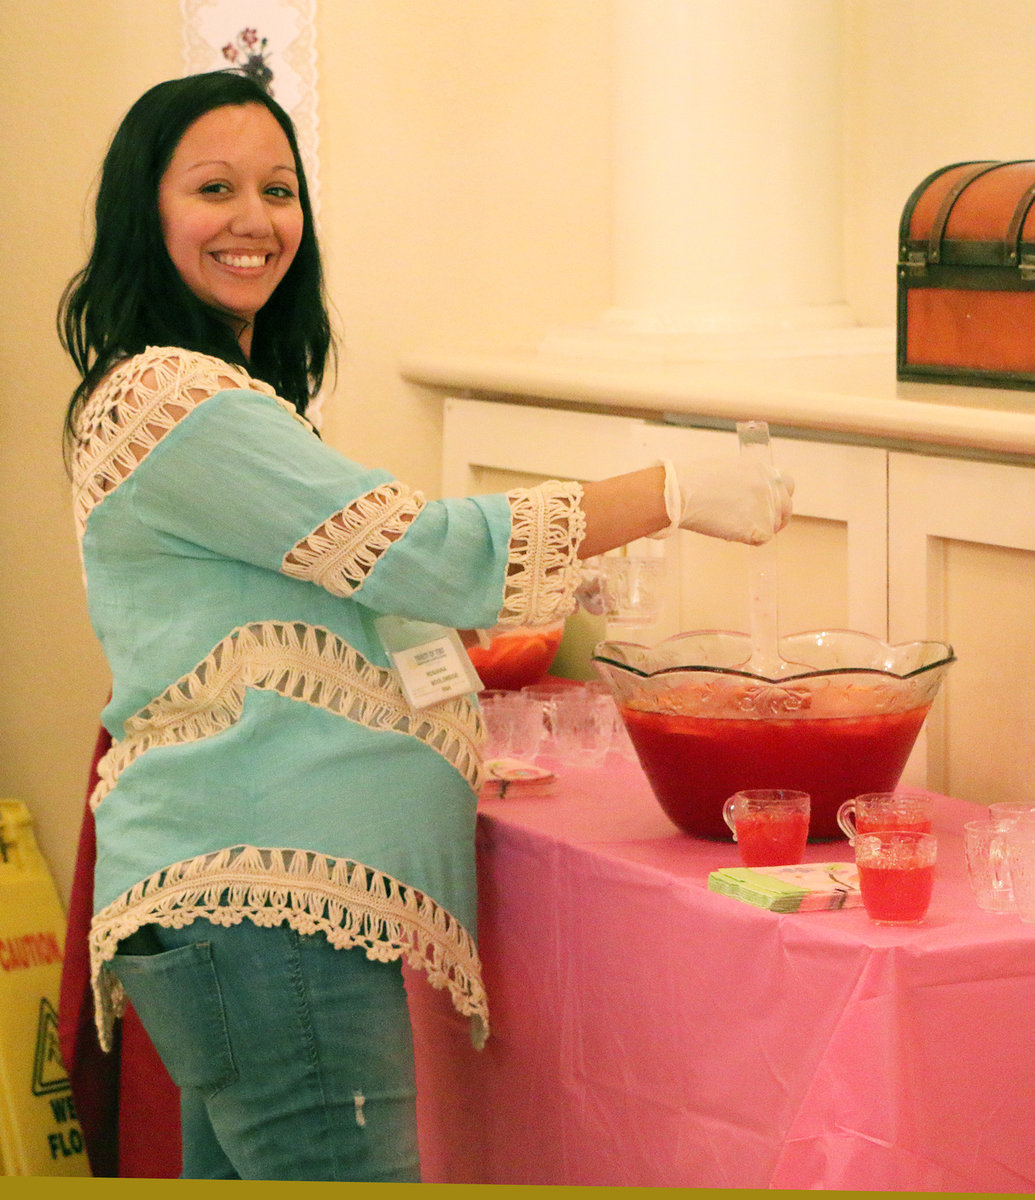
(842, 397)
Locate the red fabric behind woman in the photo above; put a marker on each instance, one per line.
(128, 1107)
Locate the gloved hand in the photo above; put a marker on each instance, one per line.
(740, 499)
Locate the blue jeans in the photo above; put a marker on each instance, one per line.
(294, 1060)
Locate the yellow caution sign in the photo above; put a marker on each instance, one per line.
(39, 1131)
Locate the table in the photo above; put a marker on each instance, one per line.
(649, 1033)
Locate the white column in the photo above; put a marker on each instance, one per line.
(727, 179)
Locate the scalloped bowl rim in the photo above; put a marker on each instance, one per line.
(944, 660)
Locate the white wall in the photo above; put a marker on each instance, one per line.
(67, 73)
(927, 83)
(465, 175)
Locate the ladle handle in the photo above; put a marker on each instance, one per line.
(765, 614)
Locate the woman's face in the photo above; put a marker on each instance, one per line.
(230, 213)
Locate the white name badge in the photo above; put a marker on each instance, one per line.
(431, 660)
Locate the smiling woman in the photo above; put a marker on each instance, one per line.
(279, 823)
(230, 213)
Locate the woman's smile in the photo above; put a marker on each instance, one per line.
(240, 261)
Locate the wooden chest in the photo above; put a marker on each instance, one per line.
(966, 276)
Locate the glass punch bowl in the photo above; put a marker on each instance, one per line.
(838, 716)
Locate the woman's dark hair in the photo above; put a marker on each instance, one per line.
(130, 296)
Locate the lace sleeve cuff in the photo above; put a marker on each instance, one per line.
(547, 528)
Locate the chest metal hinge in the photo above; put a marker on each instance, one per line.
(912, 262)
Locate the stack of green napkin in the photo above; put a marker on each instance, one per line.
(803, 888)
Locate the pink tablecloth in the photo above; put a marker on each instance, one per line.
(649, 1033)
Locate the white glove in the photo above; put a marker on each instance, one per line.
(740, 499)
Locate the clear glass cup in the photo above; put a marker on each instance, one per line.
(583, 726)
(899, 809)
(631, 589)
(769, 825)
(545, 695)
(896, 874)
(1011, 810)
(1020, 849)
(514, 725)
(988, 867)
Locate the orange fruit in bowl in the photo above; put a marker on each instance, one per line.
(517, 657)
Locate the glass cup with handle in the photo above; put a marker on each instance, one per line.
(1020, 850)
(583, 726)
(988, 867)
(514, 725)
(1011, 810)
(872, 811)
(769, 825)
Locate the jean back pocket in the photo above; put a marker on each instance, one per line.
(177, 997)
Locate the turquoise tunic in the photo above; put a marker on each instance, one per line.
(266, 763)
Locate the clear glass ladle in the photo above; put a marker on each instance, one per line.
(764, 575)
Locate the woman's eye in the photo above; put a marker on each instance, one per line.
(214, 189)
(280, 191)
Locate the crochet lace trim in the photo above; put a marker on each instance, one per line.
(146, 396)
(350, 904)
(547, 528)
(339, 554)
(301, 662)
(139, 402)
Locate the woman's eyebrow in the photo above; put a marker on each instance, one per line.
(222, 162)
